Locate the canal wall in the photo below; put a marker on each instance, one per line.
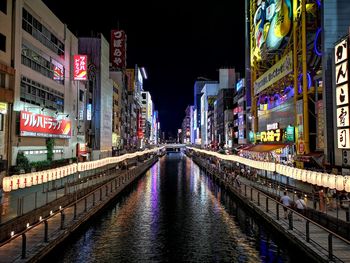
(285, 229)
(34, 243)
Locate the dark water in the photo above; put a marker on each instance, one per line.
(174, 214)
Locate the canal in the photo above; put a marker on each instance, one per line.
(174, 213)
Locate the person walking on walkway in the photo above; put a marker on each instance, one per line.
(300, 205)
(286, 201)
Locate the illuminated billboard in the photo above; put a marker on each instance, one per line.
(118, 48)
(38, 125)
(272, 24)
(80, 67)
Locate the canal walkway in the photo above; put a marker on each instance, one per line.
(41, 237)
(311, 237)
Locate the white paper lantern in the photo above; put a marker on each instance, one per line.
(325, 179)
(22, 180)
(7, 184)
(331, 181)
(304, 175)
(339, 183)
(347, 183)
(319, 179)
(15, 181)
(35, 176)
(313, 178)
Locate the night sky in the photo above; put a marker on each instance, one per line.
(176, 41)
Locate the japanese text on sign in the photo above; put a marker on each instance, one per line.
(38, 125)
(118, 48)
(271, 136)
(80, 67)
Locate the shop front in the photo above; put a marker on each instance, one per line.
(275, 144)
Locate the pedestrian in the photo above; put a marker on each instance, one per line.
(286, 201)
(300, 205)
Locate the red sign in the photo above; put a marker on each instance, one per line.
(301, 147)
(139, 125)
(38, 125)
(118, 48)
(80, 67)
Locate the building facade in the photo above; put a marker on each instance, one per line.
(7, 76)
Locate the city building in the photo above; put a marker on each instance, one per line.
(209, 92)
(7, 85)
(49, 80)
(147, 115)
(198, 86)
(100, 127)
(119, 110)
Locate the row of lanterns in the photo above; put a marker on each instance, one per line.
(332, 181)
(15, 182)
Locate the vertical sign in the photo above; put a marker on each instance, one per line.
(342, 93)
(300, 128)
(320, 125)
(118, 48)
(130, 74)
(80, 67)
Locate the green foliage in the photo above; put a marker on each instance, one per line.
(50, 143)
(22, 163)
(41, 165)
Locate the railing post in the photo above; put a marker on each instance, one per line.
(36, 200)
(330, 247)
(101, 194)
(251, 194)
(290, 219)
(277, 211)
(22, 205)
(307, 227)
(47, 195)
(18, 206)
(258, 198)
(46, 231)
(85, 204)
(62, 219)
(93, 199)
(75, 210)
(245, 190)
(24, 245)
(267, 204)
(106, 190)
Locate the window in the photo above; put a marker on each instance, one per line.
(2, 79)
(2, 42)
(1, 122)
(3, 6)
(41, 33)
(81, 95)
(144, 96)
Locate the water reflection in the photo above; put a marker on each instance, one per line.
(174, 214)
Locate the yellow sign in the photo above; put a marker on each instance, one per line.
(3, 107)
(271, 136)
(282, 68)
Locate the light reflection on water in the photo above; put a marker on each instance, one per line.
(173, 214)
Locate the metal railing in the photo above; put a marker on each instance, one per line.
(322, 241)
(81, 204)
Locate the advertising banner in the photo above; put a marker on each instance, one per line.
(130, 74)
(38, 125)
(272, 23)
(80, 67)
(282, 68)
(118, 48)
(342, 93)
(320, 125)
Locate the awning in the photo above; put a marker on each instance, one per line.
(265, 147)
